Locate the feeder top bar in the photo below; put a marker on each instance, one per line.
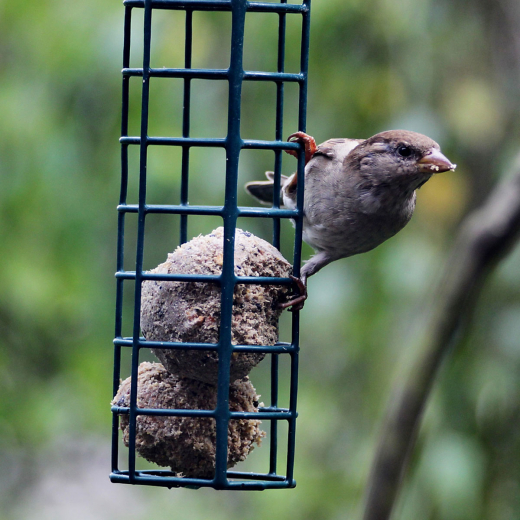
(219, 5)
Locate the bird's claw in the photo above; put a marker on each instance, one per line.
(297, 303)
(308, 142)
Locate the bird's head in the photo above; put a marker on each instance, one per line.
(399, 157)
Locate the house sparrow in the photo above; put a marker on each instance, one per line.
(358, 193)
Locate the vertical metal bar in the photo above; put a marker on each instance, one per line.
(273, 454)
(124, 172)
(291, 440)
(304, 65)
(186, 123)
(140, 233)
(302, 121)
(279, 122)
(234, 144)
(124, 183)
(295, 322)
(115, 417)
(276, 225)
(121, 232)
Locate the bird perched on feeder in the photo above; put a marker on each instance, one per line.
(358, 193)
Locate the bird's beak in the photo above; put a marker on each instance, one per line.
(435, 162)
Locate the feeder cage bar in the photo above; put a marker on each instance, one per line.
(229, 211)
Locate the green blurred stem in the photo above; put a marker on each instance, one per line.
(486, 237)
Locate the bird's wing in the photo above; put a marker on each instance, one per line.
(331, 150)
(323, 163)
(337, 148)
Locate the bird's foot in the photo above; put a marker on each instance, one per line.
(298, 302)
(308, 142)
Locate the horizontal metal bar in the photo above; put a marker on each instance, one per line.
(174, 209)
(208, 278)
(209, 210)
(123, 477)
(156, 478)
(252, 144)
(247, 144)
(188, 141)
(267, 7)
(256, 476)
(279, 348)
(163, 277)
(273, 76)
(263, 280)
(164, 412)
(214, 74)
(280, 414)
(199, 5)
(219, 5)
(125, 275)
(273, 409)
(166, 345)
(180, 73)
(176, 141)
(259, 485)
(267, 212)
(246, 475)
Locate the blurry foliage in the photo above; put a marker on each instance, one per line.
(449, 69)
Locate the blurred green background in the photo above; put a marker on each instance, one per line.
(448, 68)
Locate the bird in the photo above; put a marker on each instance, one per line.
(357, 193)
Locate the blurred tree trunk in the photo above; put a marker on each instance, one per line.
(485, 238)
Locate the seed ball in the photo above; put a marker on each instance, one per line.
(187, 444)
(190, 311)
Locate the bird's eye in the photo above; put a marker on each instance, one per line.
(404, 151)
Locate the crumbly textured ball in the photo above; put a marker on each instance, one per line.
(190, 311)
(187, 444)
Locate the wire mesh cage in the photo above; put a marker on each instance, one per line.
(124, 465)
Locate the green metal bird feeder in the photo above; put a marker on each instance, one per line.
(233, 144)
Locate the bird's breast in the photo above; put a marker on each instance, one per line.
(349, 225)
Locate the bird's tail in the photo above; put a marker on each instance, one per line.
(263, 191)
